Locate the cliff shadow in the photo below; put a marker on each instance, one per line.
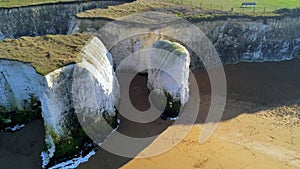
(23, 148)
(253, 87)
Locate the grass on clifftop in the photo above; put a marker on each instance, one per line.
(173, 47)
(119, 11)
(227, 5)
(201, 9)
(45, 53)
(114, 12)
(18, 3)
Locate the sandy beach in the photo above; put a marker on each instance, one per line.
(260, 127)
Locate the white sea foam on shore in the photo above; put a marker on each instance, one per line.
(15, 128)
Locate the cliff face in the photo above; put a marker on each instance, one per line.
(172, 62)
(171, 75)
(236, 40)
(254, 41)
(87, 90)
(87, 84)
(18, 82)
(20, 87)
(43, 19)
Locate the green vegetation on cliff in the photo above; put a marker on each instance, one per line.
(76, 142)
(19, 117)
(44, 53)
(174, 47)
(18, 3)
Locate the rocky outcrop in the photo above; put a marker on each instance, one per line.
(236, 39)
(171, 63)
(73, 98)
(54, 18)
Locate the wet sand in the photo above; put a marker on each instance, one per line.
(23, 148)
(260, 127)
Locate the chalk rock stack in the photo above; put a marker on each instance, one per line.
(170, 72)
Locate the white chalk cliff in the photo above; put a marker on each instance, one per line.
(18, 82)
(79, 100)
(171, 62)
(88, 83)
(89, 86)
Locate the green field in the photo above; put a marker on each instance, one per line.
(15, 3)
(226, 5)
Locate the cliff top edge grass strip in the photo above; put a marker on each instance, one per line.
(236, 5)
(45, 53)
(118, 11)
(24, 3)
(21, 3)
(193, 8)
